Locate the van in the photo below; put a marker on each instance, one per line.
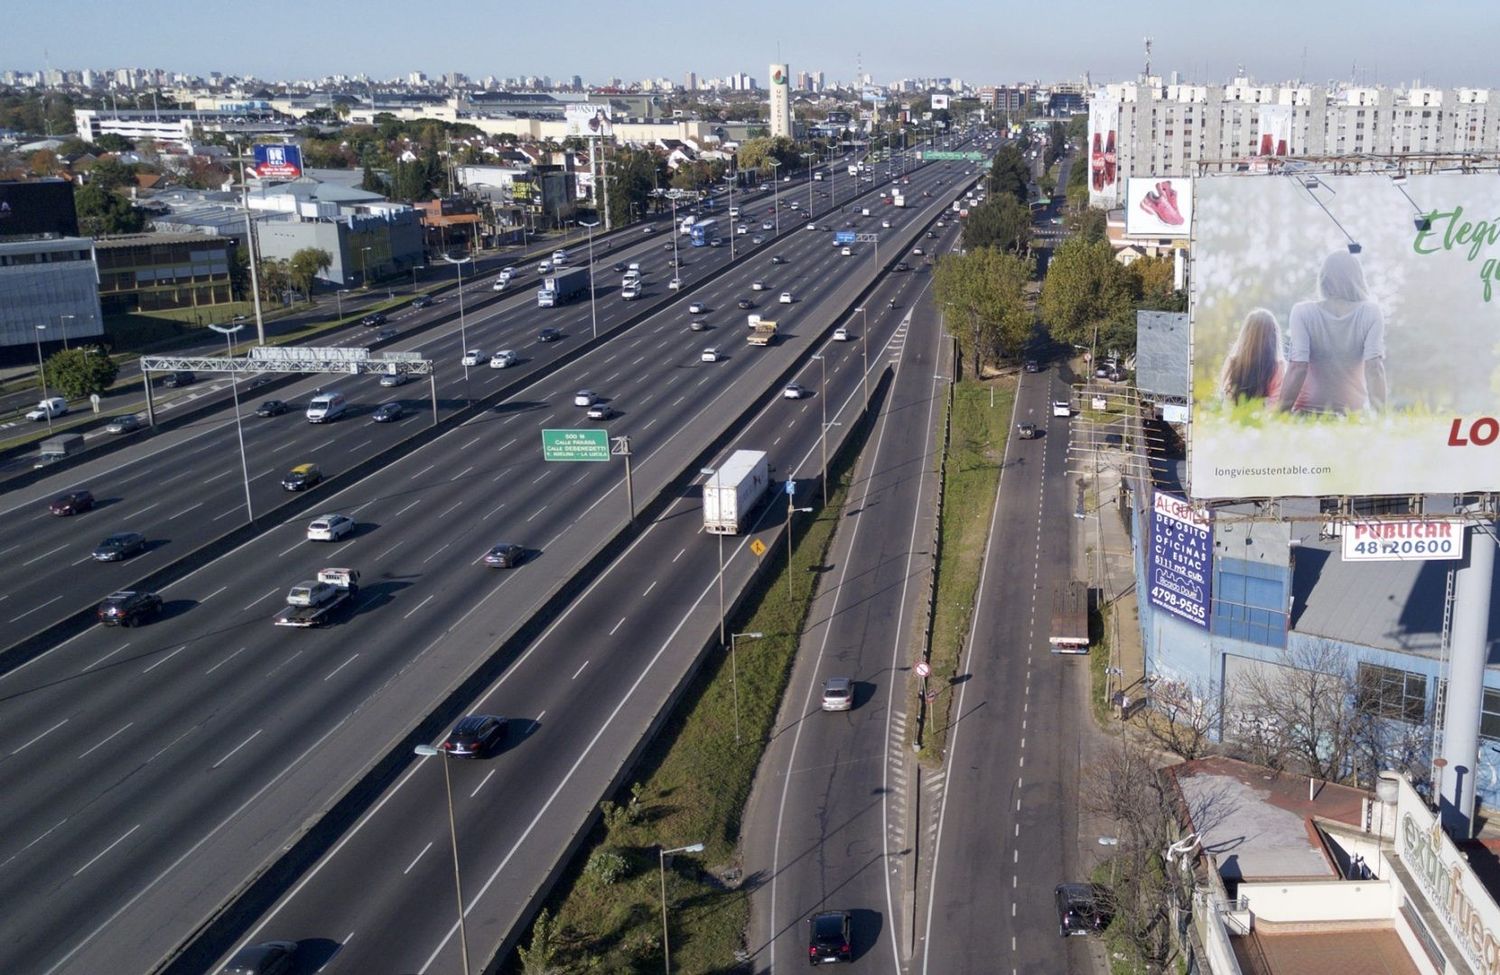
(734, 211)
(51, 407)
(326, 406)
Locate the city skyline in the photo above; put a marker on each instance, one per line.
(1373, 43)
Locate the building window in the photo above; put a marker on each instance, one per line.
(1249, 601)
(1386, 692)
(1489, 715)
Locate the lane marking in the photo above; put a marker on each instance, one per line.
(341, 666)
(412, 864)
(104, 741)
(579, 670)
(101, 853)
(39, 738)
(237, 748)
(225, 660)
(164, 659)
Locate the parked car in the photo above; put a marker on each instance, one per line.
(119, 546)
(71, 503)
(1077, 910)
(127, 607)
(388, 412)
(271, 407)
(129, 423)
(829, 938)
(475, 735)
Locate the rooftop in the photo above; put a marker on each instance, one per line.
(140, 240)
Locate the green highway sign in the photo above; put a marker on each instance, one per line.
(575, 445)
(949, 156)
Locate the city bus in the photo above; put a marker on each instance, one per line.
(704, 231)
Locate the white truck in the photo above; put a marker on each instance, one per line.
(312, 603)
(897, 200)
(733, 492)
(1069, 632)
(562, 287)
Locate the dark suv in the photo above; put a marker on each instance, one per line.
(475, 735)
(828, 938)
(1077, 910)
(119, 546)
(267, 958)
(176, 380)
(127, 608)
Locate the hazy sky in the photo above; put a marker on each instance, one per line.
(1441, 42)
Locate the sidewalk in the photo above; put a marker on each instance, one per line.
(1105, 558)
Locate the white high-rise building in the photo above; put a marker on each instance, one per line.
(781, 101)
(1147, 128)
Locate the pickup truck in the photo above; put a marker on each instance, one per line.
(762, 331)
(312, 603)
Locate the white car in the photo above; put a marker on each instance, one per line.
(630, 292)
(473, 357)
(544, 268)
(392, 379)
(847, 252)
(742, 229)
(886, 224)
(1060, 407)
(329, 528)
(841, 334)
(812, 226)
(675, 284)
(786, 298)
(696, 308)
(795, 391)
(584, 397)
(757, 285)
(918, 251)
(793, 205)
(710, 354)
(501, 283)
(502, 359)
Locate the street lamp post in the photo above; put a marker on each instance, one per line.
(593, 314)
(791, 509)
(458, 890)
(62, 321)
(711, 472)
(666, 944)
(823, 402)
(776, 192)
(364, 275)
(42, 370)
(730, 179)
(463, 335)
(339, 296)
(864, 341)
(734, 676)
(809, 156)
(234, 384)
(676, 267)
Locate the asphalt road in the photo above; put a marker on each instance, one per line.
(196, 748)
(827, 824)
(1008, 822)
(185, 489)
(580, 698)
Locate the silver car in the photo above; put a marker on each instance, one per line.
(838, 694)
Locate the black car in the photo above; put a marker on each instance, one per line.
(1077, 910)
(1027, 431)
(778, 259)
(475, 735)
(549, 335)
(506, 555)
(421, 301)
(746, 303)
(1033, 365)
(178, 379)
(272, 407)
(620, 267)
(121, 545)
(931, 235)
(128, 607)
(828, 938)
(388, 412)
(71, 503)
(373, 321)
(903, 266)
(266, 958)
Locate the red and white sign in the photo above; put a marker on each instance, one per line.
(1404, 540)
(924, 669)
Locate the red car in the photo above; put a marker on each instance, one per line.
(72, 503)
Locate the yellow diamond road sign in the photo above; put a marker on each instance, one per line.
(758, 547)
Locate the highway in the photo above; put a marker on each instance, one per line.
(827, 825)
(580, 699)
(193, 750)
(185, 488)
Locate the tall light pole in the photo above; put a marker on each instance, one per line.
(730, 179)
(666, 943)
(676, 266)
(864, 341)
(776, 192)
(458, 890)
(339, 296)
(62, 321)
(809, 156)
(734, 676)
(260, 323)
(823, 403)
(234, 384)
(42, 371)
(463, 334)
(593, 314)
(711, 472)
(791, 509)
(364, 275)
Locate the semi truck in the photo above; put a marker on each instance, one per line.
(733, 492)
(762, 330)
(1070, 618)
(313, 603)
(562, 287)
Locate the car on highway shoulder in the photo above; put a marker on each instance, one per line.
(388, 412)
(129, 423)
(838, 694)
(829, 938)
(505, 555)
(272, 407)
(127, 607)
(71, 503)
(302, 477)
(549, 335)
(710, 354)
(472, 357)
(266, 958)
(585, 398)
(475, 735)
(119, 546)
(1077, 910)
(503, 359)
(329, 528)
(795, 391)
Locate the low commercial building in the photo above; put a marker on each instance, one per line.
(156, 271)
(367, 236)
(48, 292)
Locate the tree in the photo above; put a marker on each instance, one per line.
(371, 181)
(305, 266)
(633, 175)
(80, 373)
(1084, 291)
(1000, 222)
(274, 275)
(1086, 222)
(1151, 281)
(102, 212)
(541, 957)
(112, 175)
(983, 294)
(1009, 173)
(1184, 717)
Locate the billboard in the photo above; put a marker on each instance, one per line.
(1104, 123)
(1158, 207)
(1343, 335)
(37, 206)
(1403, 540)
(939, 102)
(1275, 130)
(277, 161)
(1181, 559)
(587, 119)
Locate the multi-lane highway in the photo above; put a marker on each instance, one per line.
(185, 489)
(149, 771)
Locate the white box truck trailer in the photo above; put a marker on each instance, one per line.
(733, 491)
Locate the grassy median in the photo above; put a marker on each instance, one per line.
(971, 480)
(692, 787)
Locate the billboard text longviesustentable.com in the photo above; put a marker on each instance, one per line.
(1352, 351)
